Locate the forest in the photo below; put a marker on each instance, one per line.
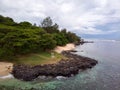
(25, 37)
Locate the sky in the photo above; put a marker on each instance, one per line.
(87, 18)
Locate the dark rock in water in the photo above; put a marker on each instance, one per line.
(72, 50)
(82, 42)
(62, 68)
(81, 51)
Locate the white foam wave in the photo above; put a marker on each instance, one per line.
(7, 76)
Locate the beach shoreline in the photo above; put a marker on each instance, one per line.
(66, 68)
(67, 47)
(7, 67)
(61, 68)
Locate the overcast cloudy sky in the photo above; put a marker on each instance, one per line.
(85, 17)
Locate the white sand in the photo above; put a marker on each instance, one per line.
(5, 68)
(69, 46)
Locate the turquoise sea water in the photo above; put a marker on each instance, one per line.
(104, 76)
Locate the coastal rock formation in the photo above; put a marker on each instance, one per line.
(82, 42)
(68, 67)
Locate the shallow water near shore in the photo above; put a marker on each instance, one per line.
(104, 76)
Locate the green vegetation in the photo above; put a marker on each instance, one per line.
(38, 58)
(24, 38)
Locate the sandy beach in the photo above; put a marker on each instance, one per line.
(5, 68)
(69, 46)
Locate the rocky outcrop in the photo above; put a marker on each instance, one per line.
(68, 67)
(82, 42)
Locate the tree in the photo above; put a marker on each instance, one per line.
(6, 20)
(35, 24)
(15, 41)
(47, 42)
(25, 24)
(48, 26)
(60, 39)
(23, 37)
(72, 37)
(56, 26)
(64, 31)
(47, 22)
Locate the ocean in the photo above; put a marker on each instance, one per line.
(104, 76)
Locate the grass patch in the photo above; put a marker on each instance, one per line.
(38, 58)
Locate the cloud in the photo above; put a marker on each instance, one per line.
(80, 16)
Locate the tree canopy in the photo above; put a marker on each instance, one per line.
(47, 22)
(23, 37)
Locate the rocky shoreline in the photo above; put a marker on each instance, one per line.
(66, 68)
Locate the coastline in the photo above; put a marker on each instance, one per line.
(66, 68)
(7, 67)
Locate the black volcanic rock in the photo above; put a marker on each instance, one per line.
(63, 68)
